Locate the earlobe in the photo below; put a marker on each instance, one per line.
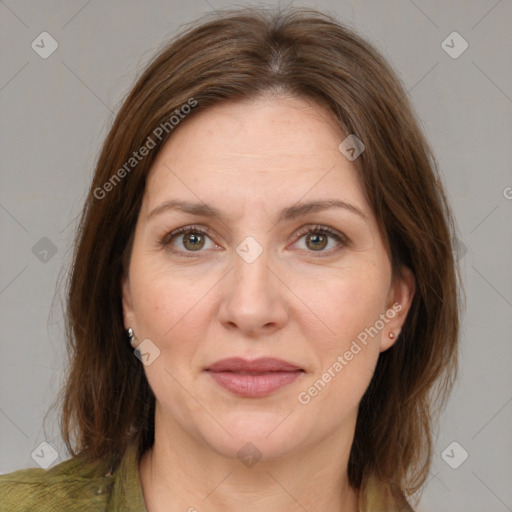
(399, 302)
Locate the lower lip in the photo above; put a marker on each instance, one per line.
(254, 385)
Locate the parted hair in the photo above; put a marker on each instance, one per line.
(239, 55)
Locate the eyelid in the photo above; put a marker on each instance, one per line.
(183, 230)
(342, 239)
(319, 228)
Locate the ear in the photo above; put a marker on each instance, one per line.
(128, 313)
(398, 304)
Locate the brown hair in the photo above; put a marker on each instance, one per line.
(237, 55)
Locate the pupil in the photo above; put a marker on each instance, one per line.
(193, 240)
(319, 241)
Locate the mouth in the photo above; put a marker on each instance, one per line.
(254, 379)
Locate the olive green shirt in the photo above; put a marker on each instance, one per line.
(73, 486)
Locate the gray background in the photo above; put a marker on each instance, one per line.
(55, 113)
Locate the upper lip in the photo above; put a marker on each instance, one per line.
(262, 364)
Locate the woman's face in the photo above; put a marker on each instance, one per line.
(258, 285)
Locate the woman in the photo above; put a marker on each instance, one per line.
(263, 293)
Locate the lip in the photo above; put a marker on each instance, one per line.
(257, 378)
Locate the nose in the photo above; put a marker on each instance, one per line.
(253, 297)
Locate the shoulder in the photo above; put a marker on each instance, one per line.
(69, 486)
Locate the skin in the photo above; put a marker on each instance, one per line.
(295, 302)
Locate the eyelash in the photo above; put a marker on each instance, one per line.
(317, 229)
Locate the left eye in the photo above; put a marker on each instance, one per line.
(317, 239)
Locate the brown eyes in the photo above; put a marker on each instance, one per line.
(195, 238)
(194, 241)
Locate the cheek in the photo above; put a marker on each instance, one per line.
(164, 297)
(346, 357)
(346, 345)
(173, 310)
(346, 302)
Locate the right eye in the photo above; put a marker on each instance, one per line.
(187, 239)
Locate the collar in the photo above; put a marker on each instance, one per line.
(127, 492)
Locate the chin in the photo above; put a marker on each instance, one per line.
(255, 434)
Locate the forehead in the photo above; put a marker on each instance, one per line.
(272, 150)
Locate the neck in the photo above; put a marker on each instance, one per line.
(181, 474)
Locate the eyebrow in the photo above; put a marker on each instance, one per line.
(289, 213)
